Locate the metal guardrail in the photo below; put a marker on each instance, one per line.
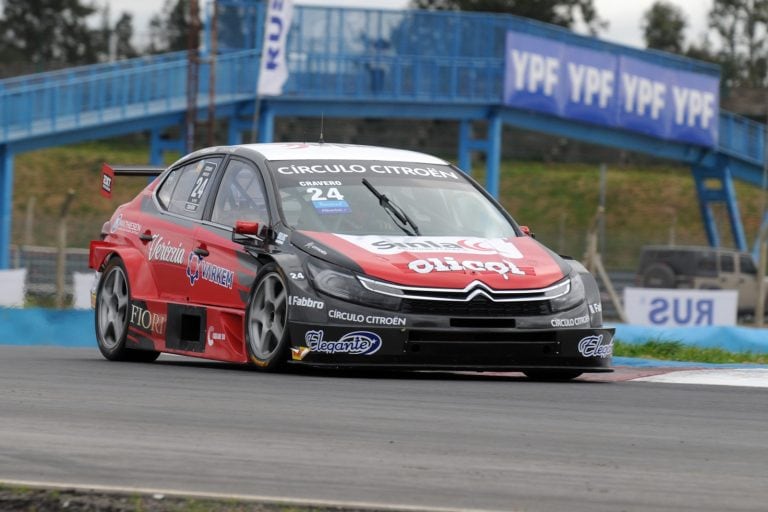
(40, 263)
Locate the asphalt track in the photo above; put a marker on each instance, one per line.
(423, 440)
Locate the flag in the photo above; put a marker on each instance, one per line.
(273, 71)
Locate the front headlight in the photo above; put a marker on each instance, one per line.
(573, 298)
(342, 284)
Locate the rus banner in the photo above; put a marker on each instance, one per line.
(273, 71)
(602, 88)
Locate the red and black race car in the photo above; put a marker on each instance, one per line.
(337, 255)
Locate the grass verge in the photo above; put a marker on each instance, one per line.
(670, 350)
(18, 499)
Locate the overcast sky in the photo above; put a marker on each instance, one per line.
(624, 16)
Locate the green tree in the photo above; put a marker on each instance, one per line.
(565, 13)
(740, 27)
(46, 33)
(169, 30)
(123, 33)
(664, 27)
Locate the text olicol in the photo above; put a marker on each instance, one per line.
(448, 264)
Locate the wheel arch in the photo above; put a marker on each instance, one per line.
(137, 268)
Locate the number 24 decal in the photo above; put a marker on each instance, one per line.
(333, 193)
(296, 275)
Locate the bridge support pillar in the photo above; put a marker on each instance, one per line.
(490, 146)
(266, 123)
(159, 144)
(715, 185)
(6, 205)
(236, 128)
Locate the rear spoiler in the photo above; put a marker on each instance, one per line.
(108, 173)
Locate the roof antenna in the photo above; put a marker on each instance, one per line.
(322, 121)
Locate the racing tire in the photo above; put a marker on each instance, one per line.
(552, 375)
(658, 275)
(113, 302)
(266, 320)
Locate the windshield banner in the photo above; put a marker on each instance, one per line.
(611, 90)
(306, 171)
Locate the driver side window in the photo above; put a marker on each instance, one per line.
(241, 195)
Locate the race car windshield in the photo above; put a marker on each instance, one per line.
(330, 196)
(395, 212)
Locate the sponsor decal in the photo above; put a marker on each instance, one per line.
(305, 302)
(127, 226)
(147, 321)
(204, 170)
(316, 248)
(107, 177)
(358, 318)
(592, 346)
(595, 308)
(106, 183)
(160, 250)
(212, 336)
(570, 322)
(321, 169)
(328, 206)
(299, 353)
(449, 264)
(320, 183)
(339, 168)
(198, 268)
(416, 244)
(280, 238)
(362, 343)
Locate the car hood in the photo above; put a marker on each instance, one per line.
(441, 261)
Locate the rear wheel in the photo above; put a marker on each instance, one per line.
(267, 320)
(658, 275)
(113, 301)
(552, 375)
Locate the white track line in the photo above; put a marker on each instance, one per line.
(751, 377)
(276, 500)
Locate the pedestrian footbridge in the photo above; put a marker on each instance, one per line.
(354, 63)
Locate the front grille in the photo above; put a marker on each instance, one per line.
(459, 336)
(477, 307)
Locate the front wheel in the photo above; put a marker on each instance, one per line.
(113, 302)
(266, 320)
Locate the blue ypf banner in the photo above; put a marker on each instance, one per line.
(602, 88)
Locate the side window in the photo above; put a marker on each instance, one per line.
(707, 264)
(747, 265)
(166, 188)
(726, 263)
(241, 195)
(185, 190)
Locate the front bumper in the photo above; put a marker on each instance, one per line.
(586, 350)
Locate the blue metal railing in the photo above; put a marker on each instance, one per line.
(333, 53)
(92, 95)
(742, 138)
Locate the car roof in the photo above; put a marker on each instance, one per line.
(331, 151)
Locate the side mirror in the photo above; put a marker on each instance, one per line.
(527, 231)
(248, 233)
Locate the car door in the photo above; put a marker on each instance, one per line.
(747, 283)
(223, 270)
(170, 252)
